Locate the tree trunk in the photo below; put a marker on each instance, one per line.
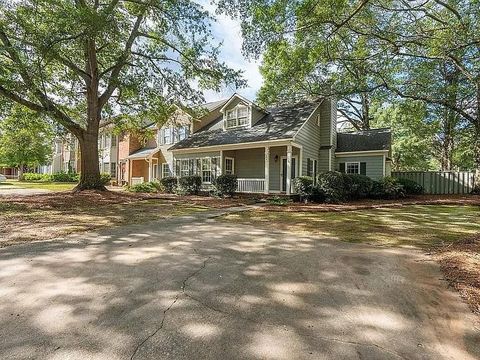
(476, 152)
(89, 163)
(20, 172)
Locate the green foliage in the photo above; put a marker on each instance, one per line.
(189, 185)
(135, 58)
(303, 186)
(65, 177)
(35, 177)
(169, 184)
(25, 138)
(332, 185)
(410, 186)
(225, 185)
(357, 186)
(146, 187)
(105, 178)
(387, 188)
(279, 200)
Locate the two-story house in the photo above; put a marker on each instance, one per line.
(265, 147)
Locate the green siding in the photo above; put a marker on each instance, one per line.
(250, 163)
(374, 164)
(309, 137)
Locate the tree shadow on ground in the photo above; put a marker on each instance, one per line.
(216, 290)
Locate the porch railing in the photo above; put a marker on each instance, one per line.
(251, 185)
(137, 180)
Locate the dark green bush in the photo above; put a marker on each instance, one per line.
(169, 184)
(189, 185)
(105, 178)
(303, 186)
(387, 188)
(146, 187)
(410, 186)
(225, 185)
(36, 177)
(65, 177)
(357, 186)
(157, 185)
(332, 185)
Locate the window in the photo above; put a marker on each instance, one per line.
(182, 133)
(184, 167)
(113, 141)
(207, 170)
(229, 166)
(312, 168)
(166, 170)
(155, 171)
(318, 120)
(237, 116)
(352, 168)
(113, 170)
(167, 136)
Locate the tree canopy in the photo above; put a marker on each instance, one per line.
(427, 51)
(80, 62)
(25, 139)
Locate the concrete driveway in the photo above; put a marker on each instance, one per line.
(197, 288)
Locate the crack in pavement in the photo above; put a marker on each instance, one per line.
(177, 297)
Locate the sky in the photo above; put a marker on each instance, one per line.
(228, 30)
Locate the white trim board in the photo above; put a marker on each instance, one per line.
(361, 153)
(239, 146)
(281, 169)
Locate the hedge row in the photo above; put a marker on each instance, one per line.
(223, 185)
(60, 177)
(335, 187)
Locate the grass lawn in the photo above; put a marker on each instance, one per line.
(411, 225)
(46, 216)
(450, 233)
(53, 186)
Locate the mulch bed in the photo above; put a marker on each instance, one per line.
(373, 204)
(460, 263)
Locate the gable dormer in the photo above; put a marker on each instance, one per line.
(239, 112)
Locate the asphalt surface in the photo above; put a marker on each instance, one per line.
(199, 288)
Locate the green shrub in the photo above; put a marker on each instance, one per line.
(105, 178)
(357, 186)
(225, 185)
(156, 184)
(146, 187)
(332, 185)
(279, 201)
(36, 177)
(410, 186)
(189, 185)
(169, 184)
(387, 188)
(303, 186)
(65, 177)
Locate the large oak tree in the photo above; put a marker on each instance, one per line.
(83, 61)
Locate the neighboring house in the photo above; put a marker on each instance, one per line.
(265, 148)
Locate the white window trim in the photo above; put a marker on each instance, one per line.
(352, 163)
(235, 110)
(233, 164)
(163, 170)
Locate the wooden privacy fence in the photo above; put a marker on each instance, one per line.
(440, 182)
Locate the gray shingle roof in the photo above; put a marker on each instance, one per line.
(279, 123)
(142, 153)
(367, 140)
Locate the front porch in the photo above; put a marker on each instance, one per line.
(264, 170)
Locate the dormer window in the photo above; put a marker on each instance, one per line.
(237, 117)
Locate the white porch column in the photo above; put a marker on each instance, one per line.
(289, 169)
(267, 169)
(220, 166)
(150, 168)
